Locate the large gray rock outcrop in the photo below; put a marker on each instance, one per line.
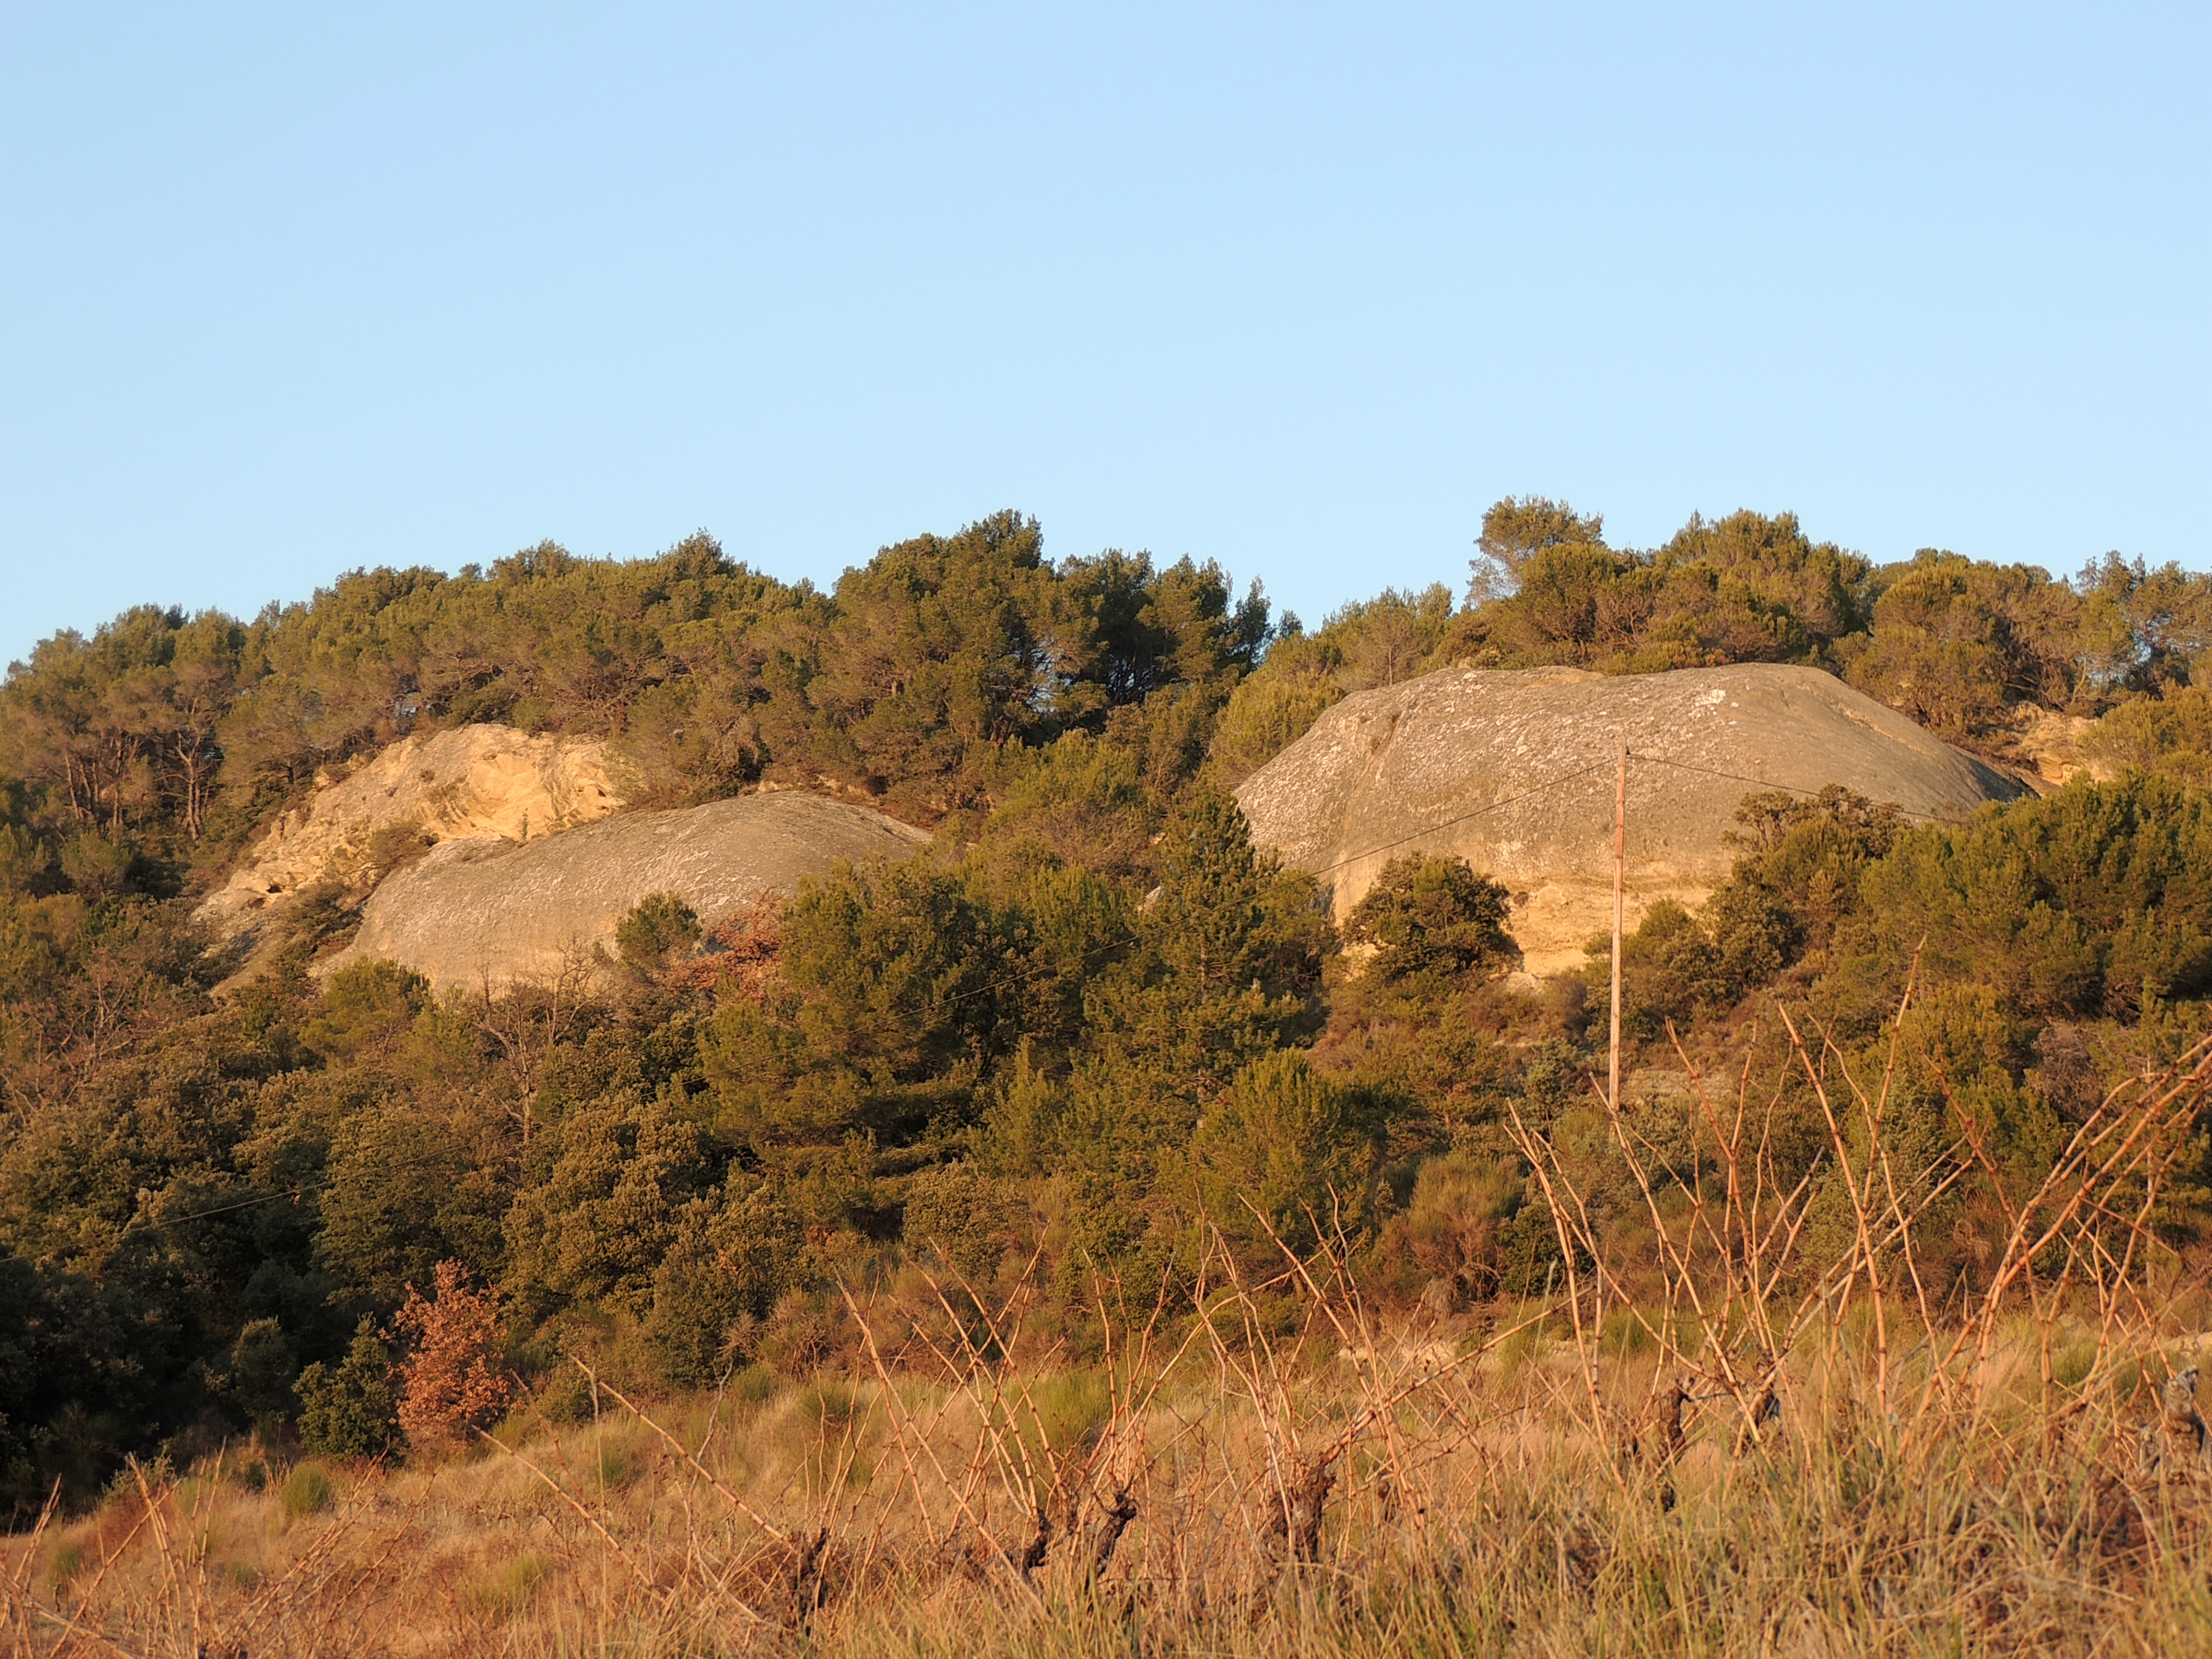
(1515, 770)
(491, 913)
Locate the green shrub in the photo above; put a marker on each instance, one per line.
(827, 1404)
(601, 1223)
(1071, 1406)
(262, 1364)
(2097, 900)
(658, 927)
(567, 1394)
(1428, 915)
(67, 1562)
(1625, 1333)
(1450, 1228)
(1669, 970)
(1288, 1149)
(730, 1262)
(2072, 1364)
(350, 1409)
(1271, 710)
(305, 1491)
(1747, 588)
(614, 1466)
(963, 1212)
(2170, 734)
(508, 1589)
(755, 1385)
(407, 1190)
(366, 1007)
(1955, 642)
(1795, 882)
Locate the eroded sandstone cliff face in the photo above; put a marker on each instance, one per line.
(1515, 770)
(471, 781)
(487, 912)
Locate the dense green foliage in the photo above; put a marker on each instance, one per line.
(1087, 1026)
(1966, 648)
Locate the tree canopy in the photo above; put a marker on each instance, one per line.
(1089, 1033)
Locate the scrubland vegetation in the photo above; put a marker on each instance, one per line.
(1068, 1239)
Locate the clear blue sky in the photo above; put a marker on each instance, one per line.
(291, 289)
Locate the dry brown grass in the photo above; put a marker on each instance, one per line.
(1762, 1456)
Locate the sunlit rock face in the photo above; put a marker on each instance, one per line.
(468, 782)
(1515, 770)
(487, 912)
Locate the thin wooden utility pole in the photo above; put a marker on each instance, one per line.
(1619, 871)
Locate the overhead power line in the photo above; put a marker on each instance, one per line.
(1634, 757)
(137, 1223)
(1052, 969)
(1785, 789)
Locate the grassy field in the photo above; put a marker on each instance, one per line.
(1415, 1503)
(1743, 1449)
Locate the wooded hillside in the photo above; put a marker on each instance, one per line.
(1088, 1021)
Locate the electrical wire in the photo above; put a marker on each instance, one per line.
(1055, 968)
(1786, 788)
(137, 1223)
(1369, 852)
(1052, 969)
(761, 1073)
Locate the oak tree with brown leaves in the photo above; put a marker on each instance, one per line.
(451, 1383)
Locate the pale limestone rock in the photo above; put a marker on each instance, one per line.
(489, 913)
(2048, 745)
(470, 780)
(1448, 762)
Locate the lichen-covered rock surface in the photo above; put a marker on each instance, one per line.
(1515, 770)
(493, 911)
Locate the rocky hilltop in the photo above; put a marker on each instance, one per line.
(489, 910)
(1515, 770)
